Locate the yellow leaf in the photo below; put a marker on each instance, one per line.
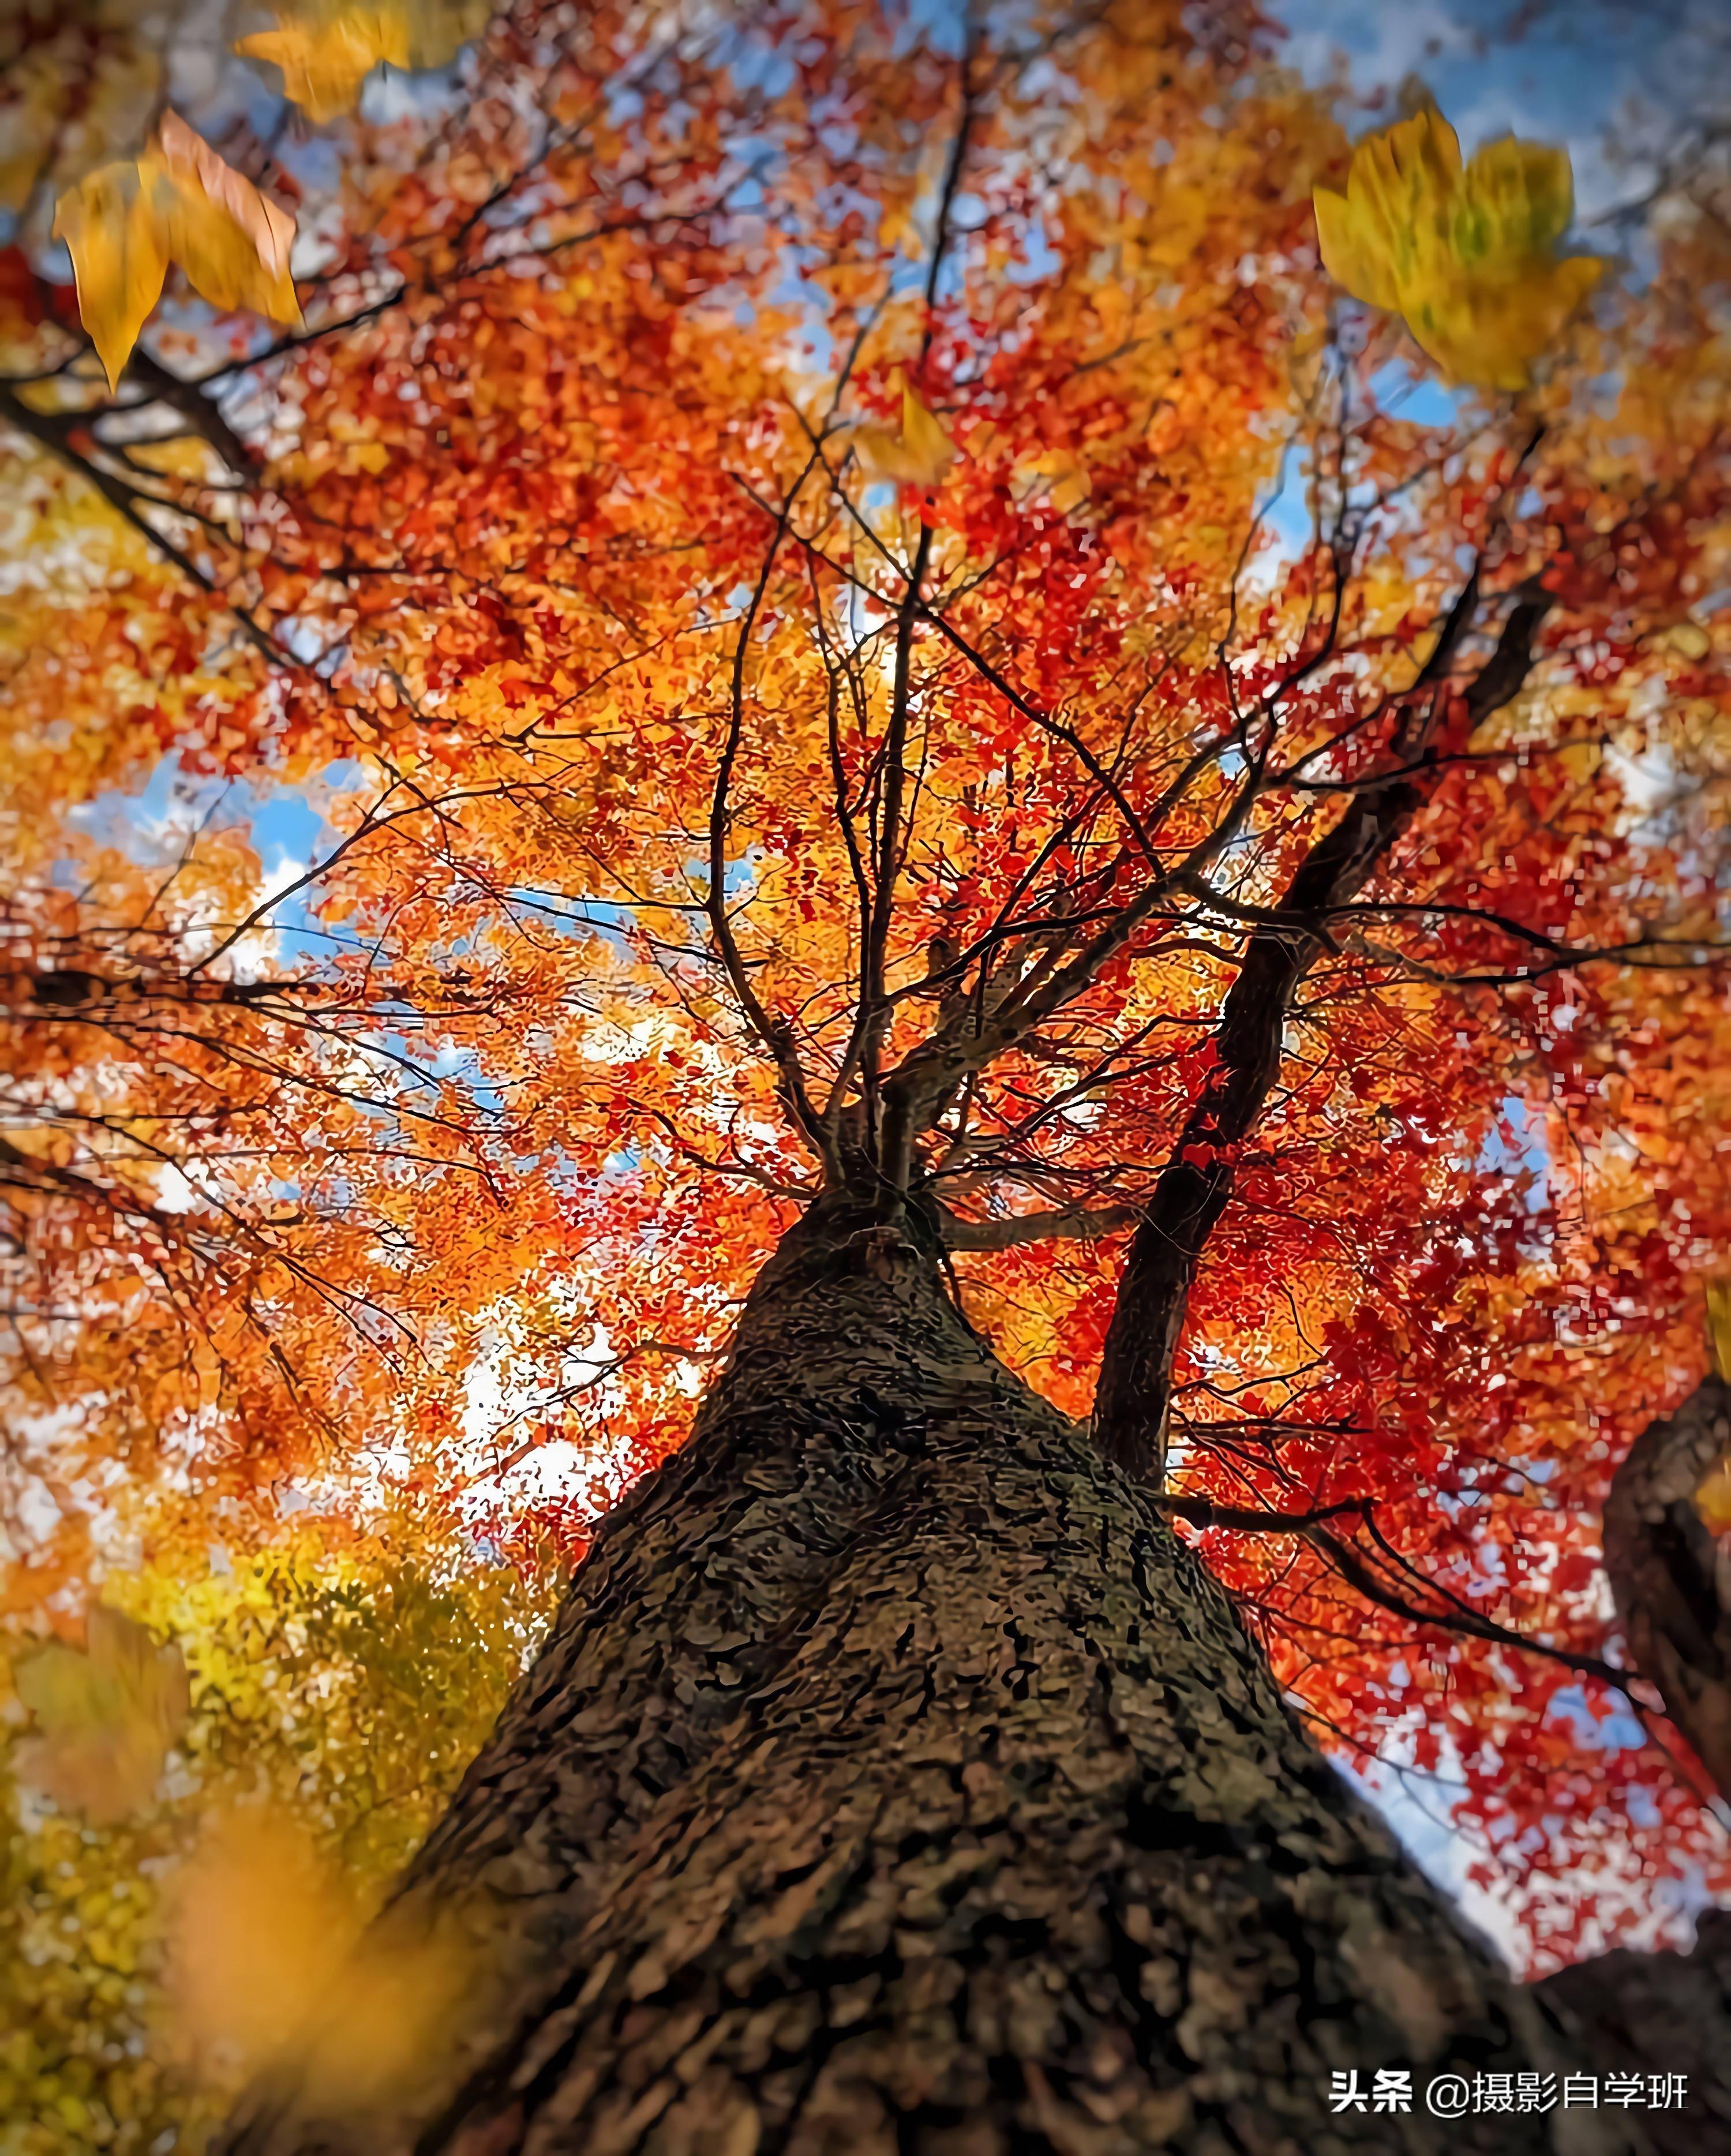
(438, 29)
(232, 242)
(1467, 255)
(120, 257)
(326, 61)
(1718, 1324)
(1353, 250)
(107, 1717)
(918, 456)
(267, 1955)
(1685, 639)
(1713, 1500)
(180, 201)
(327, 50)
(36, 97)
(257, 1930)
(1053, 475)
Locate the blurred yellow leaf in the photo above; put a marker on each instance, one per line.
(120, 257)
(179, 202)
(1683, 639)
(35, 97)
(232, 241)
(919, 455)
(437, 30)
(326, 61)
(1466, 256)
(107, 1715)
(1713, 1500)
(256, 1929)
(72, 95)
(327, 50)
(269, 1955)
(1053, 475)
(1718, 1324)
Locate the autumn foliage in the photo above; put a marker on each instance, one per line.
(785, 539)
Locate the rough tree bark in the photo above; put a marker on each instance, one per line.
(1669, 2008)
(893, 1780)
(1670, 1579)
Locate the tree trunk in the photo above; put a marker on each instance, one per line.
(893, 1782)
(1670, 2012)
(1670, 1579)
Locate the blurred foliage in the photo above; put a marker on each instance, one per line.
(342, 1687)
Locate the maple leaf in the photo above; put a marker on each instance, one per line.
(1466, 256)
(107, 1714)
(180, 201)
(324, 59)
(918, 454)
(326, 51)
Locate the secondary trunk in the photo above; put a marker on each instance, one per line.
(894, 1781)
(1671, 1578)
(1133, 1404)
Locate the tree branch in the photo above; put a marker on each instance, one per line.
(1359, 1575)
(1133, 1398)
(1066, 1224)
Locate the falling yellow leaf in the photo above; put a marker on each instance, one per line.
(1466, 256)
(256, 1929)
(1713, 1500)
(1053, 476)
(120, 257)
(327, 50)
(179, 202)
(917, 456)
(107, 1717)
(268, 1955)
(326, 61)
(1718, 1324)
(232, 242)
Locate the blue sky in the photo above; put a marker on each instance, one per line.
(1581, 68)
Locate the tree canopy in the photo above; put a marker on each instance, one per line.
(835, 598)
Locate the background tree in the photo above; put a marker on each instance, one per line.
(903, 684)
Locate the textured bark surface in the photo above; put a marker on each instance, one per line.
(1670, 1579)
(1669, 2013)
(894, 1784)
